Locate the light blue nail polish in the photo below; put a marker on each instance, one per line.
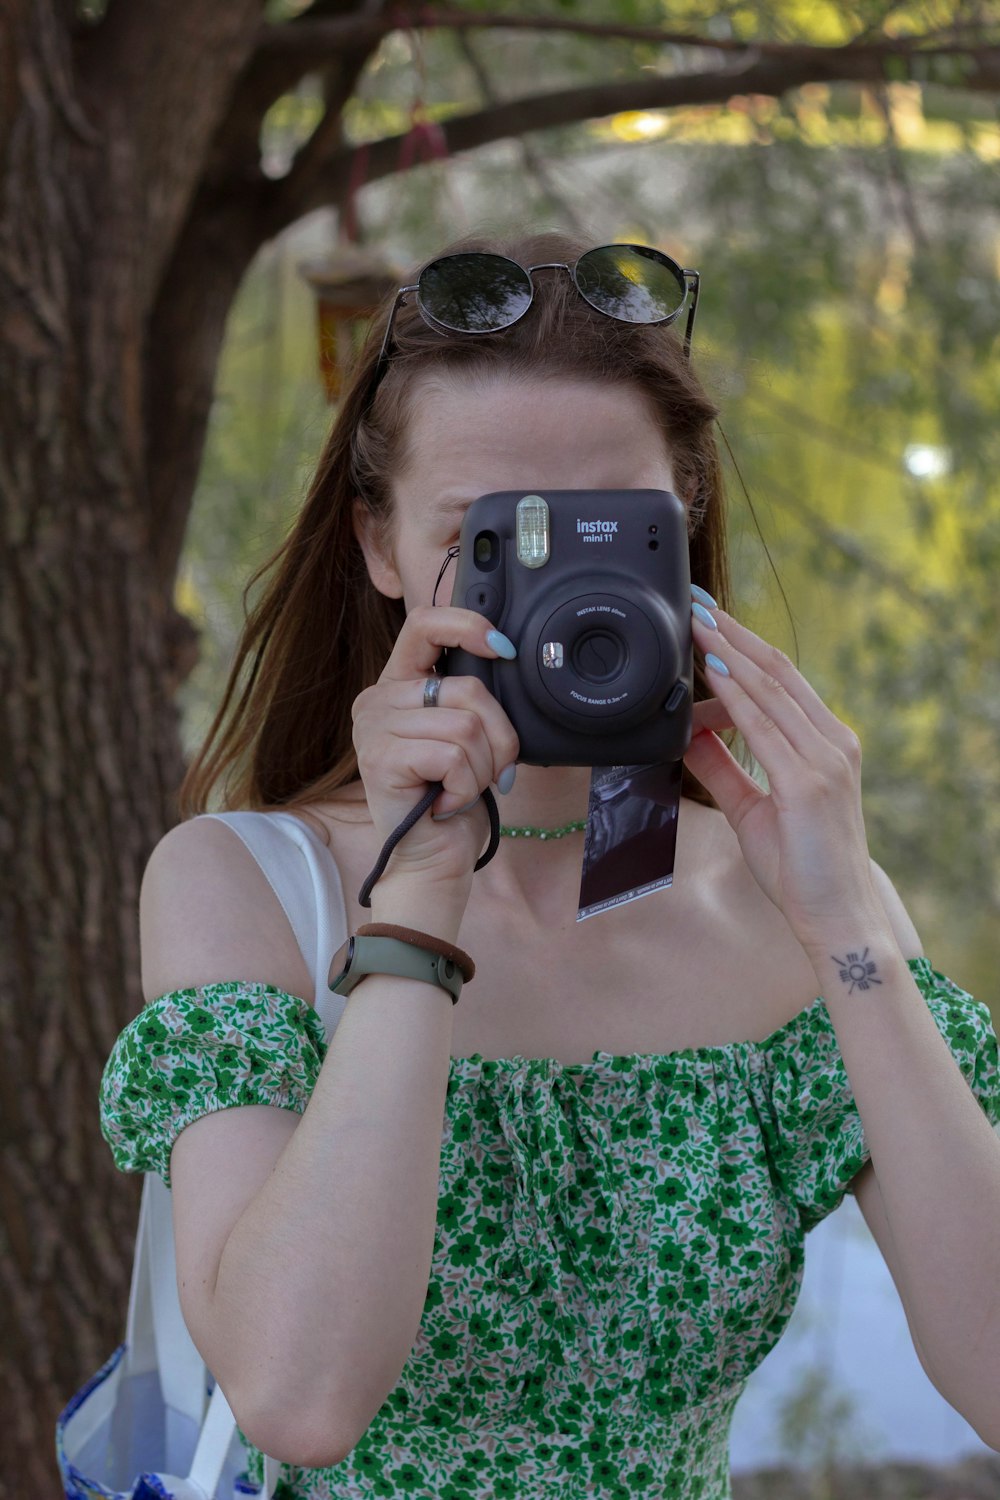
(506, 779)
(716, 664)
(703, 615)
(443, 817)
(704, 596)
(501, 645)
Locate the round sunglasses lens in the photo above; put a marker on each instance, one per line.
(631, 282)
(474, 293)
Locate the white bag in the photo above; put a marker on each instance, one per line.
(152, 1424)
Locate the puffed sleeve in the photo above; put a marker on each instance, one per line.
(191, 1052)
(816, 1136)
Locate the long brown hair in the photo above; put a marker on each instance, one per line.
(320, 632)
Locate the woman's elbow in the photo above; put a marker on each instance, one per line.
(308, 1432)
(990, 1435)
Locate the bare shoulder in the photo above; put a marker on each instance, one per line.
(207, 914)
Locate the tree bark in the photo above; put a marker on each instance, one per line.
(91, 652)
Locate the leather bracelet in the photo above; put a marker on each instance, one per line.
(458, 956)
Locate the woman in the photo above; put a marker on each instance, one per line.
(535, 1243)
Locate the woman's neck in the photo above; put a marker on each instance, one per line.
(546, 797)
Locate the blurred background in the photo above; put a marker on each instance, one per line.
(227, 191)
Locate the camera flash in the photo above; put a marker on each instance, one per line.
(532, 518)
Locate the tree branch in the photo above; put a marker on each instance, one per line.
(307, 40)
(305, 35)
(285, 53)
(310, 161)
(516, 117)
(533, 160)
(897, 168)
(270, 73)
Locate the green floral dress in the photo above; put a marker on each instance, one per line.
(619, 1242)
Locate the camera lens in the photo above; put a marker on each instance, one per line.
(617, 666)
(599, 656)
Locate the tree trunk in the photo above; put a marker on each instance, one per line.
(91, 653)
(90, 751)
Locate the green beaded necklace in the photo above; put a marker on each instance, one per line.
(543, 833)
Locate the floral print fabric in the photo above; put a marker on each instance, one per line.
(192, 1052)
(619, 1242)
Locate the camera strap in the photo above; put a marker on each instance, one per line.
(449, 557)
(403, 828)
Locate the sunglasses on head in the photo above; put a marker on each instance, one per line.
(475, 291)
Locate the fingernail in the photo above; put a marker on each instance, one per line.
(716, 664)
(701, 613)
(443, 817)
(506, 778)
(501, 645)
(704, 596)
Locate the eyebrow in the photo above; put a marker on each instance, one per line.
(451, 506)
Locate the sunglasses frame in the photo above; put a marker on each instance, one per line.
(689, 280)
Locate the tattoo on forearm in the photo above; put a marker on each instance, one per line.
(857, 970)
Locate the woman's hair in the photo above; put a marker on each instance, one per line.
(320, 632)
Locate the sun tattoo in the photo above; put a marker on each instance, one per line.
(856, 970)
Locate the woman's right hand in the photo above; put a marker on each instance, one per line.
(466, 741)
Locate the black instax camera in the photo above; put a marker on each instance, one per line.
(594, 589)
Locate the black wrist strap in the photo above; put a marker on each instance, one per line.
(403, 828)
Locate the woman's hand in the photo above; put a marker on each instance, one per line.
(805, 842)
(465, 741)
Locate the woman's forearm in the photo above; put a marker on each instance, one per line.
(323, 1279)
(935, 1156)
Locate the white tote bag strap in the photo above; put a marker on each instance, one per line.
(183, 1376)
(139, 1337)
(213, 1446)
(155, 1331)
(157, 1338)
(304, 876)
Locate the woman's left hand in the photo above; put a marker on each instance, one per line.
(804, 842)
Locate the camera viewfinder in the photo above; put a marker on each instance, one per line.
(486, 550)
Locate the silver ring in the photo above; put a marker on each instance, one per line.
(432, 692)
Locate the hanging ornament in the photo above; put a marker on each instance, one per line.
(350, 286)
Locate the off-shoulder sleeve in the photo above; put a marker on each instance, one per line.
(191, 1052)
(817, 1137)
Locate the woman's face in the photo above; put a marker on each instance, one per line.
(467, 440)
